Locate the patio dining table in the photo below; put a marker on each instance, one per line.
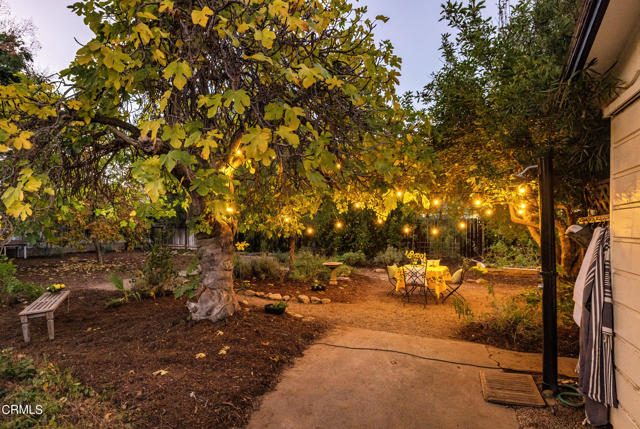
(433, 277)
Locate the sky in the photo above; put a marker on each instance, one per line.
(413, 28)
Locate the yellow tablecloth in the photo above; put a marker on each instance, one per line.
(435, 277)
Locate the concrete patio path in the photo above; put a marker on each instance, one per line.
(337, 387)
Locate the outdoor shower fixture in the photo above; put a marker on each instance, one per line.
(544, 170)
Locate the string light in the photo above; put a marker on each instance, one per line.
(523, 206)
(489, 212)
(477, 202)
(380, 221)
(520, 212)
(229, 209)
(309, 230)
(338, 165)
(522, 189)
(338, 224)
(435, 231)
(463, 225)
(436, 202)
(238, 152)
(357, 205)
(287, 220)
(399, 194)
(406, 230)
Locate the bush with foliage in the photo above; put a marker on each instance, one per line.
(390, 256)
(309, 267)
(355, 259)
(516, 254)
(262, 268)
(190, 285)
(159, 275)
(63, 400)
(13, 290)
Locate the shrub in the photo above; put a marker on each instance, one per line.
(344, 270)
(501, 254)
(13, 290)
(261, 268)
(158, 274)
(309, 267)
(190, 284)
(356, 259)
(518, 321)
(390, 256)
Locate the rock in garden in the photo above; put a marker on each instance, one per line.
(297, 316)
(275, 296)
(286, 298)
(260, 294)
(183, 273)
(325, 300)
(380, 270)
(244, 302)
(249, 292)
(303, 299)
(315, 300)
(344, 279)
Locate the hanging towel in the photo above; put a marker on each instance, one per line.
(578, 290)
(596, 378)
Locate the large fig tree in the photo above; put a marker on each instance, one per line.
(245, 108)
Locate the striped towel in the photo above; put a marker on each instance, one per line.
(597, 379)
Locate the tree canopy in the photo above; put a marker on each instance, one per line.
(245, 110)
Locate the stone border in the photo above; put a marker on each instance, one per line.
(302, 299)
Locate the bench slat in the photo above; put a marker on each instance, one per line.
(47, 302)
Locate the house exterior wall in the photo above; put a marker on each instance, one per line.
(625, 236)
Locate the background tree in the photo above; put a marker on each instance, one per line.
(220, 100)
(498, 103)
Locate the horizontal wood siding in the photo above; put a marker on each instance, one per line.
(625, 262)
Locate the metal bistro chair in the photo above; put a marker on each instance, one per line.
(414, 277)
(452, 286)
(391, 274)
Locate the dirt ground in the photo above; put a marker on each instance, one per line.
(116, 351)
(80, 270)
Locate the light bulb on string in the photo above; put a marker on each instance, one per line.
(522, 190)
(489, 212)
(436, 202)
(380, 221)
(462, 225)
(357, 205)
(338, 165)
(406, 229)
(523, 206)
(309, 230)
(477, 202)
(338, 225)
(435, 231)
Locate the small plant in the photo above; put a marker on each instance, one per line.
(13, 290)
(261, 268)
(240, 247)
(191, 283)
(390, 256)
(309, 267)
(158, 274)
(462, 309)
(355, 259)
(317, 286)
(277, 307)
(479, 270)
(56, 287)
(118, 283)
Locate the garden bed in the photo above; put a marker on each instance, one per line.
(347, 291)
(116, 351)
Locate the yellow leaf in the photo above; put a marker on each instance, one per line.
(201, 355)
(33, 184)
(266, 37)
(165, 5)
(243, 27)
(201, 17)
(160, 372)
(224, 350)
(219, 332)
(22, 140)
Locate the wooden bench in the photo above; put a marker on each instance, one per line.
(43, 307)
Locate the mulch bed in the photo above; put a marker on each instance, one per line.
(346, 291)
(478, 332)
(82, 269)
(115, 351)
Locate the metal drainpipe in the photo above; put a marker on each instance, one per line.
(548, 259)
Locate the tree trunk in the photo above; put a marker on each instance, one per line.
(292, 252)
(215, 253)
(99, 257)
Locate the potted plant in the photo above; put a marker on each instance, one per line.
(276, 308)
(317, 286)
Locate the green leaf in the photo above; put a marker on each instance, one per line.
(257, 141)
(174, 134)
(273, 111)
(180, 71)
(288, 134)
(266, 37)
(239, 98)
